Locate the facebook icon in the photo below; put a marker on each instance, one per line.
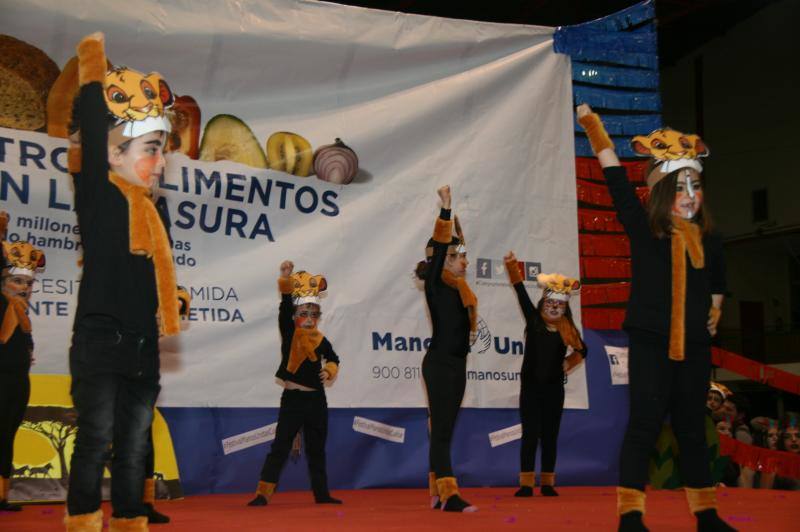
(484, 269)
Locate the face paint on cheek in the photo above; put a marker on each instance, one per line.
(305, 323)
(145, 168)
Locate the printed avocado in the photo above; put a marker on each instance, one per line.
(226, 138)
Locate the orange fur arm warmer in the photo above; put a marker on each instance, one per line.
(285, 285)
(443, 231)
(514, 275)
(92, 61)
(598, 137)
(332, 368)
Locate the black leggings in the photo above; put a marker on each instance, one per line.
(445, 380)
(658, 386)
(540, 408)
(308, 410)
(15, 390)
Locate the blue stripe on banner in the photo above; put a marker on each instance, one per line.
(357, 460)
(601, 98)
(627, 125)
(622, 146)
(614, 76)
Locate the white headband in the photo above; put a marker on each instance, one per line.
(304, 300)
(137, 128)
(670, 166)
(15, 270)
(558, 296)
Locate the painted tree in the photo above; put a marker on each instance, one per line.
(58, 425)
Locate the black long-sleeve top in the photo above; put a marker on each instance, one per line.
(449, 316)
(115, 283)
(544, 355)
(15, 354)
(649, 306)
(308, 372)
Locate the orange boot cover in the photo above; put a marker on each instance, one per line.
(92, 522)
(123, 524)
(266, 489)
(630, 500)
(527, 478)
(433, 489)
(447, 487)
(701, 499)
(149, 496)
(548, 479)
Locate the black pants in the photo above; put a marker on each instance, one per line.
(308, 410)
(150, 459)
(445, 381)
(658, 386)
(540, 408)
(114, 389)
(15, 390)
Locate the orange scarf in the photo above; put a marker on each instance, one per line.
(685, 238)
(569, 334)
(468, 298)
(149, 238)
(304, 345)
(15, 316)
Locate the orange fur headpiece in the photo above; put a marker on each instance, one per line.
(21, 258)
(672, 150)
(306, 287)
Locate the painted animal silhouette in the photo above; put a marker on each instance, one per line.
(41, 470)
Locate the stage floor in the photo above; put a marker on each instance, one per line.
(578, 508)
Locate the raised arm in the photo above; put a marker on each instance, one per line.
(286, 308)
(92, 111)
(442, 236)
(630, 211)
(515, 277)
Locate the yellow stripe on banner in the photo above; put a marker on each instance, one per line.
(50, 390)
(166, 464)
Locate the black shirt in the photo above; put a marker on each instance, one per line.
(544, 350)
(308, 372)
(115, 283)
(15, 354)
(649, 306)
(449, 316)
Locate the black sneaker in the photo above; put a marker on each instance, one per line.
(455, 503)
(259, 500)
(548, 491)
(326, 499)
(154, 517)
(631, 522)
(710, 521)
(6, 506)
(524, 491)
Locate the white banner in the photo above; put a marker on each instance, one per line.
(380, 430)
(423, 101)
(506, 435)
(617, 364)
(248, 439)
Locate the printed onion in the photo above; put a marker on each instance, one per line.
(336, 163)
